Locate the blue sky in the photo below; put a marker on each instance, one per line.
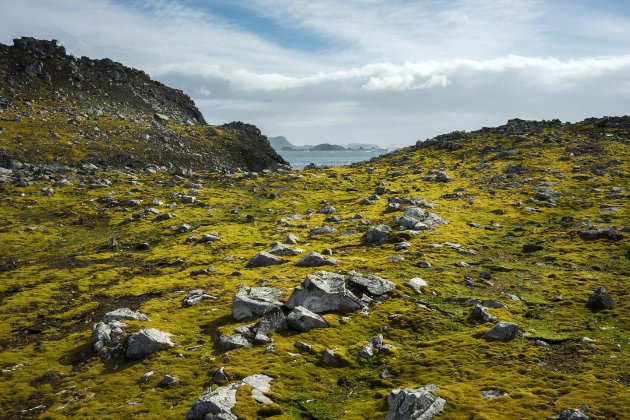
(388, 72)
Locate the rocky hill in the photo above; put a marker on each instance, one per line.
(474, 275)
(59, 109)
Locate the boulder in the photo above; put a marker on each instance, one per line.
(573, 415)
(253, 301)
(324, 291)
(147, 341)
(302, 319)
(272, 320)
(291, 240)
(417, 284)
(281, 249)
(377, 234)
(303, 347)
(168, 381)
(234, 341)
(600, 299)
(327, 209)
(314, 259)
(374, 285)
(503, 331)
(329, 357)
(195, 296)
(215, 404)
(414, 404)
(264, 259)
(416, 218)
(322, 230)
(124, 314)
(479, 313)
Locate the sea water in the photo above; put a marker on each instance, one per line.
(300, 158)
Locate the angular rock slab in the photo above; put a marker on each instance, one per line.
(416, 218)
(315, 259)
(147, 341)
(414, 403)
(600, 299)
(302, 319)
(377, 234)
(272, 320)
(264, 259)
(503, 331)
(218, 402)
(374, 285)
(124, 314)
(253, 301)
(322, 292)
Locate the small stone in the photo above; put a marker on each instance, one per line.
(329, 357)
(147, 341)
(302, 319)
(168, 381)
(479, 313)
(145, 377)
(220, 376)
(417, 284)
(503, 331)
(303, 347)
(491, 394)
(264, 259)
(600, 299)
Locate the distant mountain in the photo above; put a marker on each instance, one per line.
(362, 146)
(281, 143)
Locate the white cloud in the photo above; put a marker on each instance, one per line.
(397, 70)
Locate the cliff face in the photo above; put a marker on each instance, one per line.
(56, 108)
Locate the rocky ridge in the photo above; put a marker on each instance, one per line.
(70, 111)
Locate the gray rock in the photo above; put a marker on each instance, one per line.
(280, 249)
(324, 291)
(291, 240)
(272, 320)
(162, 217)
(264, 259)
(416, 284)
(416, 218)
(503, 331)
(253, 301)
(600, 299)
(600, 233)
(220, 376)
(302, 319)
(573, 415)
(303, 347)
(491, 394)
(195, 296)
(479, 313)
(234, 341)
(414, 404)
(329, 357)
(327, 209)
(168, 381)
(145, 377)
(259, 381)
(314, 259)
(377, 234)
(101, 336)
(147, 341)
(322, 230)
(374, 285)
(124, 314)
(215, 404)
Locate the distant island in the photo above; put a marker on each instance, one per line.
(280, 143)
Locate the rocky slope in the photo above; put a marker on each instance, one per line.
(474, 275)
(68, 111)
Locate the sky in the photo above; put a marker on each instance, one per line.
(387, 72)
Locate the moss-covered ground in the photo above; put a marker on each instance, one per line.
(66, 277)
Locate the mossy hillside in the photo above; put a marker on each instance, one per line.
(67, 277)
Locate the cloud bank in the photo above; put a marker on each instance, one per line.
(386, 72)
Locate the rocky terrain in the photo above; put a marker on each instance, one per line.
(474, 275)
(77, 111)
